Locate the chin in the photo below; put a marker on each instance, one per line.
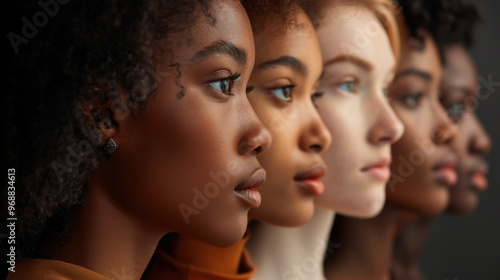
(216, 230)
(432, 207)
(224, 237)
(285, 216)
(462, 202)
(367, 205)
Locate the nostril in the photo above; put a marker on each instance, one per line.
(257, 150)
(316, 148)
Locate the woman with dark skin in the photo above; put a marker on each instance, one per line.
(285, 79)
(174, 102)
(423, 161)
(458, 87)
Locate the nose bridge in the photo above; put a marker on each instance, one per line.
(385, 125)
(314, 135)
(255, 138)
(445, 130)
(480, 142)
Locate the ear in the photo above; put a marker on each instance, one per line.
(110, 116)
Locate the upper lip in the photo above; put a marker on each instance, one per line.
(316, 172)
(382, 162)
(449, 161)
(256, 179)
(481, 167)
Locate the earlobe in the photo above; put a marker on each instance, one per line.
(108, 117)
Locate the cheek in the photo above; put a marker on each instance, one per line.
(169, 143)
(348, 139)
(411, 185)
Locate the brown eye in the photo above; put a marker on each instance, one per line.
(223, 86)
(283, 93)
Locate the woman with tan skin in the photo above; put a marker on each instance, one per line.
(170, 137)
(284, 96)
(458, 87)
(423, 160)
(355, 108)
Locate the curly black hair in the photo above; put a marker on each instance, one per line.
(58, 83)
(448, 21)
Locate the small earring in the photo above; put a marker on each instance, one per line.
(110, 147)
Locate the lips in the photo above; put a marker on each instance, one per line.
(379, 170)
(444, 173)
(247, 190)
(477, 177)
(309, 180)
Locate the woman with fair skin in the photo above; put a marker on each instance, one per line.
(355, 108)
(423, 161)
(458, 88)
(130, 133)
(284, 81)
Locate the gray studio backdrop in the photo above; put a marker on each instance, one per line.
(462, 248)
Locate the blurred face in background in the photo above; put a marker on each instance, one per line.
(459, 89)
(423, 162)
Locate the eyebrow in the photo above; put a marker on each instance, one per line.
(224, 48)
(463, 89)
(414, 72)
(352, 59)
(289, 61)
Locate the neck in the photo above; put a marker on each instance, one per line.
(408, 245)
(104, 239)
(365, 250)
(303, 259)
(201, 255)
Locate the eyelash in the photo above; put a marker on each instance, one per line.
(250, 89)
(230, 81)
(315, 96)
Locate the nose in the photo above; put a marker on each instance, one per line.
(386, 128)
(445, 131)
(480, 141)
(314, 136)
(255, 139)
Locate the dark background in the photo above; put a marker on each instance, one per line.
(458, 247)
(469, 247)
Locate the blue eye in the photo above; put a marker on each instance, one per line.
(283, 93)
(347, 87)
(223, 86)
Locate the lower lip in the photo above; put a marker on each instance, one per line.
(445, 176)
(378, 173)
(312, 186)
(250, 196)
(479, 181)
